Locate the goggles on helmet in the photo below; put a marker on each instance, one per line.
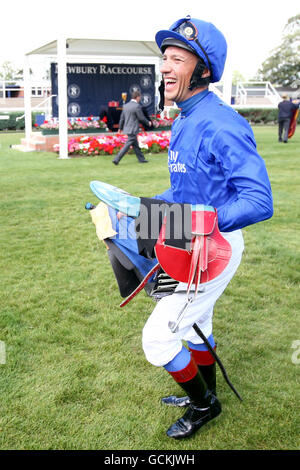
(189, 31)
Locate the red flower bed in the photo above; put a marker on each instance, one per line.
(111, 144)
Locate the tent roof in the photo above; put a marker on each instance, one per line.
(102, 47)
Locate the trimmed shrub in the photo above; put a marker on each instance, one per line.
(12, 123)
(261, 115)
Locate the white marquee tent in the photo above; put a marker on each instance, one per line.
(70, 50)
(67, 50)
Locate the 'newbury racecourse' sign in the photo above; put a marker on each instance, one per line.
(92, 86)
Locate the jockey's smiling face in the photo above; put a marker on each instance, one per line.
(177, 68)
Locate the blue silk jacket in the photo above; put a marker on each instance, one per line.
(213, 160)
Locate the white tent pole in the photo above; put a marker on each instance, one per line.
(227, 80)
(27, 100)
(62, 97)
(227, 85)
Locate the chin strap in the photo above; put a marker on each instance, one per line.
(161, 90)
(196, 79)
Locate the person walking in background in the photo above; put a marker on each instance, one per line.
(132, 115)
(286, 109)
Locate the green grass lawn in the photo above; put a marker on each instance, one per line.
(75, 376)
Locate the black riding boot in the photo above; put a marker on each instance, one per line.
(209, 375)
(203, 407)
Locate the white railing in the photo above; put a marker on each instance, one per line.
(48, 108)
(272, 94)
(241, 93)
(253, 93)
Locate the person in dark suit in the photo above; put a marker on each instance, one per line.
(285, 113)
(131, 116)
(146, 114)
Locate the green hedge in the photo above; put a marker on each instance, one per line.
(12, 123)
(253, 115)
(261, 116)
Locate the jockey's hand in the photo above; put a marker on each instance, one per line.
(120, 214)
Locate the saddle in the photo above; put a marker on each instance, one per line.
(207, 257)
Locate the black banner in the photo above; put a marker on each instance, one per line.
(92, 86)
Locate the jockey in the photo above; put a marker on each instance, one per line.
(221, 183)
(212, 160)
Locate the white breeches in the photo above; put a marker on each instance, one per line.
(159, 343)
